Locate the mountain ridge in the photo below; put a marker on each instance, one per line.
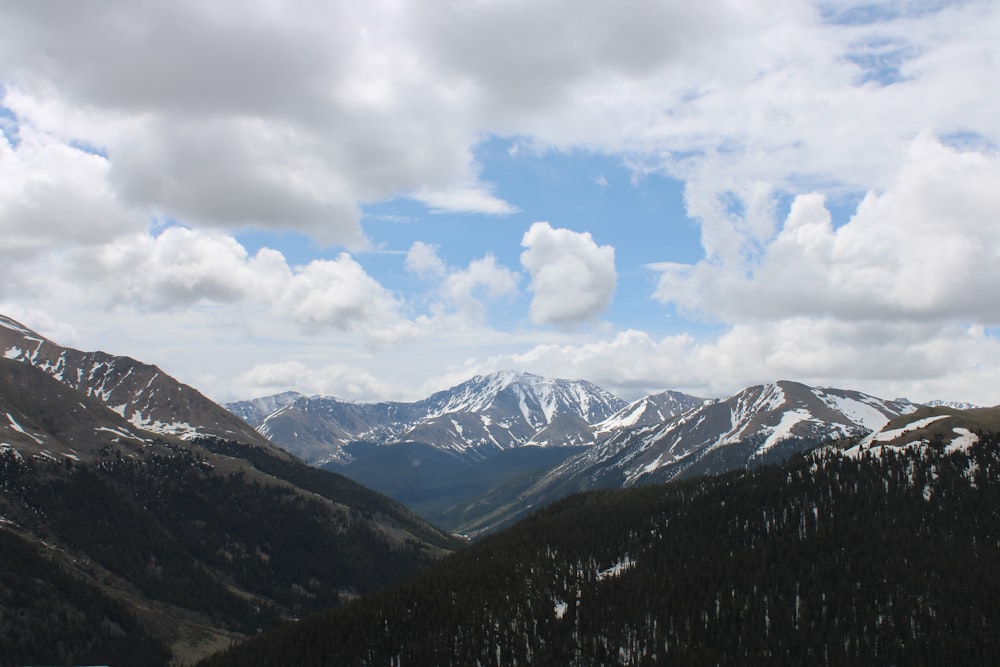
(475, 418)
(190, 538)
(140, 393)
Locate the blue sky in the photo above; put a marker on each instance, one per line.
(380, 200)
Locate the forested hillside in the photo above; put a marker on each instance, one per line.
(828, 559)
(124, 546)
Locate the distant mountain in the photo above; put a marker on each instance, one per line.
(958, 405)
(942, 426)
(140, 393)
(256, 410)
(127, 546)
(650, 410)
(506, 409)
(658, 438)
(758, 425)
(477, 418)
(827, 559)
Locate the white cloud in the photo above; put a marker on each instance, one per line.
(181, 268)
(924, 249)
(573, 279)
(465, 199)
(460, 287)
(339, 294)
(461, 291)
(53, 193)
(423, 260)
(888, 360)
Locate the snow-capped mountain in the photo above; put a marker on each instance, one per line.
(485, 414)
(317, 428)
(758, 424)
(957, 405)
(507, 409)
(647, 411)
(162, 525)
(140, 393)
(256, 410)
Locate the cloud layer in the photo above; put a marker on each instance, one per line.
(839, 159)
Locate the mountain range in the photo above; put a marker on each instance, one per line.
(476, 419)
(491, 450)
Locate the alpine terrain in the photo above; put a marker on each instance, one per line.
(476, 419)
(140, 523)
(439, 455)
(463, 458)
(142, 394)
(886, 557)
(644, 444)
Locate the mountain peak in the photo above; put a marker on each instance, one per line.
(140, 393)
(489, 412)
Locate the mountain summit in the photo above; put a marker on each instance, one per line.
(759, 424)
(140, 393)
(647, 442)
(486, 414)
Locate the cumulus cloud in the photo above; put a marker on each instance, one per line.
(460, 287)
(181, 267)
(366, 103)
(340, 294)
(461, 290)
(54, 193)
(916, 361)
(923, 249)
(573, 279)
(422, 259)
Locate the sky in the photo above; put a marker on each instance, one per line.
(380, 200)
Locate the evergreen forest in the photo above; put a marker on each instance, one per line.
(825, 560)
(84, 548)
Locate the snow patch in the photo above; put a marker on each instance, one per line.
(650, 467)
(784, 428)
(6, 447)
(13, 352)
(20, 429)
(615, 570)
(13, 326)
(892, 434)
(121, 433)
(859, 412)
(181, 429)
(963, 440)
